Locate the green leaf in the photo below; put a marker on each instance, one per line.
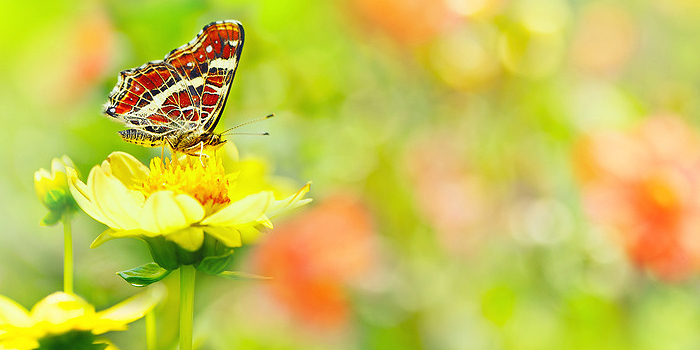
(243, 276)
(144, 275)
(214, 265)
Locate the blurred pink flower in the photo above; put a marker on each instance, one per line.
(315, 257)
(448, 194)
(644, 184)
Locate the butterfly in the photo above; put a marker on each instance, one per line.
(179, 100)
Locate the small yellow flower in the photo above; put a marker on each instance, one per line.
(63, 318)
(180, 201)
(52, 190)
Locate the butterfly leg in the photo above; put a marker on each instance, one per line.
(201, 152)
(173, 152)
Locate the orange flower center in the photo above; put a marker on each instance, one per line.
(208, 183)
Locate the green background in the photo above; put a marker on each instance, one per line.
(452, 123)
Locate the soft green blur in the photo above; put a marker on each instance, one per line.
(453, 123)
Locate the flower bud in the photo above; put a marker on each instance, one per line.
(52, 190)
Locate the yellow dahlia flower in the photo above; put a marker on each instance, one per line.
(65, 321)
(188, 202)
(52, 190)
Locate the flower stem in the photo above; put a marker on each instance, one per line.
(151, 331)
(67, 257)
(187, 273)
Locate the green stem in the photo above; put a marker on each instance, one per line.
(187, 273)
(67, 257)
(151, 331)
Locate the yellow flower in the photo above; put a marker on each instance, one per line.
(52, 190)
(180, 201)
(62, 318)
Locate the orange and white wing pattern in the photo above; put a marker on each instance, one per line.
(184, 93)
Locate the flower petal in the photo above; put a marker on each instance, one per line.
(61, 311)
(42, 182)
(12, 313)
(84, 196)
(189, 238)
(21, 342)
(242, 211)
(126, 168)
(103, 237)
(265, 221)
(129, 310)
(60, 164)
(165, 212)
(110, 234)
(110, 346)
(279, 206)
(229, 236)
(118, 203)
(249, 234)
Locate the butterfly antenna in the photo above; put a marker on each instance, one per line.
(249, 122)
(251, 133)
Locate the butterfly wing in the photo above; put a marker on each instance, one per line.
(188, 89)
(208, 64)
(150, 99)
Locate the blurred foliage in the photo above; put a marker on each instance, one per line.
(452, 127)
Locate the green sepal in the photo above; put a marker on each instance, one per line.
(243, 276)
(59, 202)
(169, 255)
(75, 340)
(144, 275)
(214, 265)
(51, 218)
(56, 198)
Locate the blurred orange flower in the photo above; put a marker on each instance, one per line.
(411, 22)
(605, 39)
(95, 40)
(644, 184)
(315, 257)
(80, 58)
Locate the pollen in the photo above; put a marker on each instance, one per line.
(204, 180)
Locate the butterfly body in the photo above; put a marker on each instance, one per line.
(188, 142)
(178, 101)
